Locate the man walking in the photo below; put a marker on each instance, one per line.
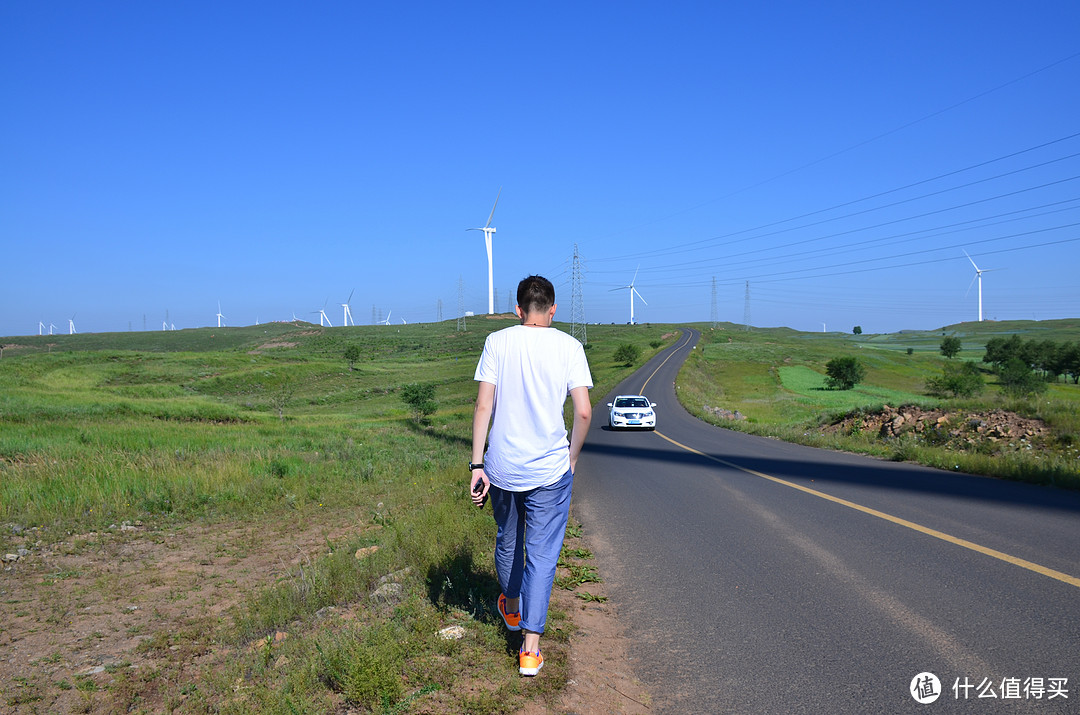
(524, 376)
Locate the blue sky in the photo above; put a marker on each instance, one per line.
(157, 158)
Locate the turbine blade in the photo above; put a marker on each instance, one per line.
(973, 279)
(972, 260)
(492, 215)
(639, 296)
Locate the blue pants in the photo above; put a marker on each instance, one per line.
(528, 543)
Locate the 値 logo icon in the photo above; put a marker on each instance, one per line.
(925, 688)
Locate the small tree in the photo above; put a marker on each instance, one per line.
(857, 330)
(959, 379)
(627, 354)
(950, 346)
(281, 395)
(844, 373)
(352, 354)
(420, 398)
(1000, 350)
(1018, 380)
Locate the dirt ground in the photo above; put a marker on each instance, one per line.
(78, 613)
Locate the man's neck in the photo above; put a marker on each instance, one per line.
(536, 320)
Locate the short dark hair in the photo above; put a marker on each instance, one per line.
(535, 294)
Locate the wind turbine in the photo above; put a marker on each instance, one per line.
(71, 325)
(220, 317)
(977, 277)
(488, 229)
(323, 316)
(387, 321)
(633, 290)
(51, 328)
(348, 313)
(40, 328)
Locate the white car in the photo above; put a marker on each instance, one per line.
(632, 411)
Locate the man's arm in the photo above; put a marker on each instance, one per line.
(582, 418)
(485, 401)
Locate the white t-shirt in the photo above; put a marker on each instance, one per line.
(533, 370)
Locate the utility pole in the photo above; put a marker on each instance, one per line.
(746, 308)
(714, 314)
(577, 301)
(461, 304)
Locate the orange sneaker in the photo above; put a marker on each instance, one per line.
(530, 663)
(512, 620)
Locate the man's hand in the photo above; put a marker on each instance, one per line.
(478, 487)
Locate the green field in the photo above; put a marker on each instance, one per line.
(270, 431)
(809, 385)
(267, 429)
(775, 377)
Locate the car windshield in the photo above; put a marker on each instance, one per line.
(631, 402)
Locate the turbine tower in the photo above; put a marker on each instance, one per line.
(488, 230)
(322, 315)
(978, 277)
(348, 313)
(220, 317)
(633, 290)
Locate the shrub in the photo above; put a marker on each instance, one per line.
(1017, 379)
(352, 354)
(958, 380)
(844, 373)
(627, 354)
(420, 399)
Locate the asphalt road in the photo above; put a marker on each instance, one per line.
(756, 576)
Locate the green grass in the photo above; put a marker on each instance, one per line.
(809, 384)
(775, 377)
(183, 427)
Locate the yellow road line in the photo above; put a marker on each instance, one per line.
(1016, 561)
(673, 352)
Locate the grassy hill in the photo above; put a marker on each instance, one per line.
(270, 431)
(775, 378)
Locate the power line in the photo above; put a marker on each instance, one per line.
(689, 246)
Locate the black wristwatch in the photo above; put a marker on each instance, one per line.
(475, 465)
